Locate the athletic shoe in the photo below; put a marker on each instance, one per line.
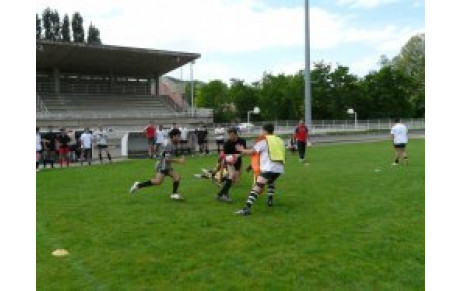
(270, 201)
(134, 187)
(176, 196)
(394, 164)
(224, 198)
(244, 212)
(197, 176)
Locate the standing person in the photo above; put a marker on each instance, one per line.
(50, 147)
(86, 139)
(301, 137)
(183, 138)
(160, 139)
(38, 148)
(72, 145)
(272, 159)
(400, 138)
(63, 141)
(164, 167)
(202, 135)
(219, 132)
(234, 169)
(150, 132)
(101, 136)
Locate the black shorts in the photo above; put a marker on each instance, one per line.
(400, 145)
(238, 164)
(102, 146)
(151, 140)
(202, 141)
(219, 141)
(270, 176)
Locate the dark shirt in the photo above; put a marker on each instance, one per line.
(50, 138)
(201, 134)
(229, 146)
(63, 140)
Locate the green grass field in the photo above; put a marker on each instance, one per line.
(336, 225)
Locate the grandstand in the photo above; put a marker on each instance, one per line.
(80, 84)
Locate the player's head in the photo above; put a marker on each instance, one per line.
(174, 135)
(268, 128)
(50, 128)
(38, 129)
(232, 133)
(301, 122)
(62, 130)
(397, 120)
(160, 127)
(100, 127)
(86, 129)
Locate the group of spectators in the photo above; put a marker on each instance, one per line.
(70, 146)
(157, 137)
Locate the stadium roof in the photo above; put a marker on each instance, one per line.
(81, 58)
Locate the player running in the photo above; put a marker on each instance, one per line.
(164, 167)
(272, 158)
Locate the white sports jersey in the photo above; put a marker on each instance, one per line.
(399, 132)
(266, 165)
(219, 132)
(183, 133)
(100, 137)
(161, 136)
(38, 144)
(86, 140)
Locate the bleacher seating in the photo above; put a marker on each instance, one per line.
(104, 103)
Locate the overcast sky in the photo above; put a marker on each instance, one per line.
(244, 38)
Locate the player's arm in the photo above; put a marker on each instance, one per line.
(244, 151)
(176, 160)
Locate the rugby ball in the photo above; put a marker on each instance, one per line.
(230, 159)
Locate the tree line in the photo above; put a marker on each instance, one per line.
(396, 89)
(50, 27)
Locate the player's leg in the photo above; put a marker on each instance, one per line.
(37, 160)
(301, 148)
(255, 190)
(405, 156)
(176, 180)
(107, 152)
(270, 193)
(223, 194)
(396, 155)
(66, 156)
(152, 182)
(99, 152)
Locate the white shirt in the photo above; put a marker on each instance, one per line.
(101, 137)
(183, 133)
(161, 136)
(266, 165)
(219, 132)
(86, 140)
(399, 132)
(38, 144)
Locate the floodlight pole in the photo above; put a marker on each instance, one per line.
(308, 120)
(191, 88)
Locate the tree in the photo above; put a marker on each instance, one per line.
(47, 23)
(38, 30)
(78, 31)
(243, 97)
(66, 28)
(55, 25)
(214, 95)
(93, 35)
(411, 60)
